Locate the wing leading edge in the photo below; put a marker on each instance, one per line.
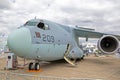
(90, 33)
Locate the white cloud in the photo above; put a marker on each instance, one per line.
(98, 14)
(5, 4)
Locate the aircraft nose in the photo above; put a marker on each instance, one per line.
(19, 41)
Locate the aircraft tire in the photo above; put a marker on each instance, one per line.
(78, 59)
(30, 66)
(82, 58)
(37, 66)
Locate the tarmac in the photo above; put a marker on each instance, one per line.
(103, 67)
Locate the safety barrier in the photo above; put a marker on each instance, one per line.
(16, 76)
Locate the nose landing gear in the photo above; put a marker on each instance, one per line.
(34, 66)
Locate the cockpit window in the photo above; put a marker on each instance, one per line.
(43, 26)
(40, 25)
(29, 23)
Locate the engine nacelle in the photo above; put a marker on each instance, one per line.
(108, 44)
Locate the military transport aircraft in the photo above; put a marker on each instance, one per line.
(44, 40)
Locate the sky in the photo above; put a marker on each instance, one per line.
(101, 15)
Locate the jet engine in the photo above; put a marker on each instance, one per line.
(108, 44)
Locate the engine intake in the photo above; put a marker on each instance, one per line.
(108, 44)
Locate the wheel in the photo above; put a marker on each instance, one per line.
(78, 59)
(82, 58)
(72, 59)
(37, 66)
(30, 66)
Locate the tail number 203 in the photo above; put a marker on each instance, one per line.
(48, 38)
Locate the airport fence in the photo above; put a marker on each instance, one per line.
(16, 76)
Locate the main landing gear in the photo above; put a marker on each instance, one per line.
(34, 66)
(79, 59)
(71, 61)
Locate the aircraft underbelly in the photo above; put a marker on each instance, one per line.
(49, 52)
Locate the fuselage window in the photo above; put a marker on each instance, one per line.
(43, 26)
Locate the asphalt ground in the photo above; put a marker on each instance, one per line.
(103, 67)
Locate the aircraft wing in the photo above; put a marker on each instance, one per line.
(90, 33)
